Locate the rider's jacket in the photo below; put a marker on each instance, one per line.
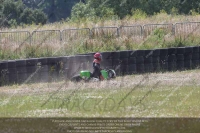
(96, 68)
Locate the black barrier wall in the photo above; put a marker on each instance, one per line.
(123, 62)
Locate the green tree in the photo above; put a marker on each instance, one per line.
(30, 16)
(91, 10)
(39, 17)
(14, 12)
(185, 6)
(27, 16)
(12, 9)
(57, 9)
(81, 11)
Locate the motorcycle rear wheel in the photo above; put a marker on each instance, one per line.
(76, 78)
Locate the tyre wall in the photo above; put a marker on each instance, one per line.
(123, 62)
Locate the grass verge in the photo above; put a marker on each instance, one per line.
(153, 95)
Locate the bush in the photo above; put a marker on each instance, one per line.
(138, 14)
(12, 23)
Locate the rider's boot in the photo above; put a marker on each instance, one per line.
(101, 77)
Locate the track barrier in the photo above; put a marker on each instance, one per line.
(123, 62)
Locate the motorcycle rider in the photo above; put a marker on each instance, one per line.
(96, 66)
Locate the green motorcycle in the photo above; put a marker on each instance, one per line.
(86, 75)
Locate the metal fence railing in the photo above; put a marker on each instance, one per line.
(131, 31)
(108, 32)
(186, 29)
(14, 41)
(74, 34)
(148, 29)
(17, 39)
(46, 37)
(47, 40)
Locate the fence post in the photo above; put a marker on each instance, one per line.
(173, 29)
(60, 37)
(29, 37)
(141, 27)
(118, 34)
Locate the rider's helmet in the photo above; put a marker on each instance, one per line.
(98, 56)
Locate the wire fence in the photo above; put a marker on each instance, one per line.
(17, 39)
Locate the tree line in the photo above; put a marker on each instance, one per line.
(19, 12)
(123, 8)
(15, 12)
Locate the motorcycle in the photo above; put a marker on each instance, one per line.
(86, 75)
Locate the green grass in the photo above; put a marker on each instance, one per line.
(176, 96)
(142, 101)
(165, 98)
